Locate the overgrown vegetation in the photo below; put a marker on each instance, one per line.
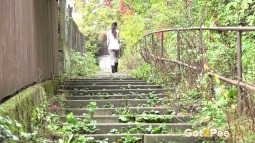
(162, 129)
(194, 91)
(49, 127)
(81, 65)
(6, 128)
(215, 111)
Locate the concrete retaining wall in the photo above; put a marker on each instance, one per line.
(21, 106)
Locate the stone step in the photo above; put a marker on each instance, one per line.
(104, 78)
(115, 111)
(106, 83)
(112, 91)
(108, 74)
(150, 138)
(122, 128)
(104, 128)
(99, 80)
(101, 87)
(126, 96)
(174, 138)
(108, 103)
(115, 118)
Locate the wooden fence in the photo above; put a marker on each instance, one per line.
(28, 43)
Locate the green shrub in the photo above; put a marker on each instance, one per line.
(81, 65)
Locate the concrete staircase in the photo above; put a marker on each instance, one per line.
(125, 106)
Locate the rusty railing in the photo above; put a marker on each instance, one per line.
(239, 83)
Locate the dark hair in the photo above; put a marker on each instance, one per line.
(114, 27)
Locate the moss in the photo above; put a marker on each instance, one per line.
(50, 87)
(20, 107)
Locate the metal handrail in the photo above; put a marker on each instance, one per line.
(243, 85)
(199, 28)
(206, 28)
(239, 30)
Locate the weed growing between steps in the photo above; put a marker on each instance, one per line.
(74, 126)
(147, 116)
(155, 103)
(151, 95)
(127, 118)
(123, 111)
(141, 129)
(108, 105)
(130, 139)
(155, 119)
(152, 112)
(47, 127)
(101, 96)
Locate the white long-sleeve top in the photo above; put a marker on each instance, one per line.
(111, 41)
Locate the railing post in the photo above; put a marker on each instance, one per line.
(239, 72)
(162, 44)
(178, 49)
(145, 46)
(132, 48)
(212, 87)
(152, 43)
(201, 51)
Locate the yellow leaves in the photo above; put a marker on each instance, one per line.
(217, 79)
(222, 89)
(206, 67)
(226, 95)
(233, 106)
(207, 118)
(79, 4)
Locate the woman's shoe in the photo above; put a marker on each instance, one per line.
(116, 67)
(113, 69)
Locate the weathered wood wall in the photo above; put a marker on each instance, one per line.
(28, 43)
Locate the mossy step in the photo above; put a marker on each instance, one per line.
(101, 87)
(99, 80)
(103, 128)
(149, 138)
(142, 128)
(112, 91)
(108, 103)
(108, 78)
(117, 111)
(104, 81)
(117, 119)
(125, 96)
(107, 83)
